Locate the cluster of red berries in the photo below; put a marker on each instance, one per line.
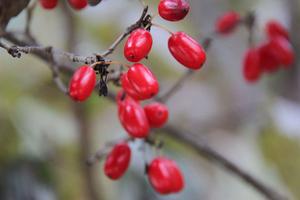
(267, 57)
(139, 83)
(76, 4)
(271, 55)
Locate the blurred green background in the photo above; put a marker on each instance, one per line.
(256, 126)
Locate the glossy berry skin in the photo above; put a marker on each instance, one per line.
(227, 22)
(157, 114)
(275, 29)
(283, 49)
(138, 45)
(48, 4)
(82, 83)
(127, 87)
(252, 69)
(133, 118)
(165, 176)
(117, 161)
(143, 81)
(78, 4)
(173, 10)
(186, 50)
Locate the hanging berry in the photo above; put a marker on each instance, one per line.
(138, 45)
(157, 114)
(165, 176)
(186, 50)
(173, 10)
(252, 69)
(133, 118)
(127, 87)
(275, 29)
(82, 83)
(283, 49)
(78, 4)
(269, 60)
(48, 4)
(227, 22)
(143, 81)
(117, 161)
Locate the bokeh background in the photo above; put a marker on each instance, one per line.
(45, 137)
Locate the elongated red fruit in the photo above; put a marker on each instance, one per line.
(78, 4)
(165, 176)
(173, 10)
(227, 22)
(138, 45)
(283, 49)
(186, 50)
(133, 118)
(143, 81)
(269, 60)
(275, 29)
(252, 69)
(82, 83)
(127, 87)
(157, 114)
(117, 161)
(48, 4)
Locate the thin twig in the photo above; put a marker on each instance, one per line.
(131, 28)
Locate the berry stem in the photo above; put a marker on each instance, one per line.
(162, 27)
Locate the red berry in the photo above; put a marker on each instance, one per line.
(82, 83)
(126, 85)
(138, 45)
(269, 60)
(143, 81)
(283, 49)
(173, 10)
(227, 22)
(117, 161)
(274, 29)
(48, 4)
(157, 114)
(165, 176)
(78, 4)
(133, 118)
(252, 69)
(186, 50)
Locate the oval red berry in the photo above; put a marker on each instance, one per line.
(126, 85)
(275, 29)
(133, 118)
(157, 114)
(117, 161)
(173, 10)
(283, 49)
(82, 83)
(78, 4)
(138, 45)
(186, 50)
(48, 4)
(227, 22)
(252, 69)
(165, 176)
(143, 81)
